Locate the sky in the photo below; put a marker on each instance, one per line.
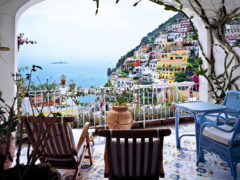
(69, 30)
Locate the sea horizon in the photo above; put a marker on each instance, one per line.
(84, 74)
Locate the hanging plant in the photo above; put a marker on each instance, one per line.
(21, 40)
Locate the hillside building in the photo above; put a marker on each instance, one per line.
(170, 63)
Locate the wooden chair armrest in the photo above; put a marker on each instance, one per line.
(106, 170)
(83, 136)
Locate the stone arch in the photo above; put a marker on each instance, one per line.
(11, 10)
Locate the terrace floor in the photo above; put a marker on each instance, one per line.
(178, 164)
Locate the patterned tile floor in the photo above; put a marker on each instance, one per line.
(178, 164)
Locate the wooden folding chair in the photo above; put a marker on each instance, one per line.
(134, 154)
(58, 148)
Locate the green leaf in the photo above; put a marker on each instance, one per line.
(38, 67)
(235, 79)
(220, 76)
(2, 100)
(181, 7)
(135, 4)
(170, 8)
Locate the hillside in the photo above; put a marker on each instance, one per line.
(148, 39)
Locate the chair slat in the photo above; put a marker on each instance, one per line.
(119, 158)
(126, 158)
(49, 139)
(35, 136)
(62, 139)
(52, 143)
(134, 155)
(28, 129)
(109, 157)
(160, 157)
(150, 149)
(66, 138)
(69, 141)
(142, 156)
(44, 142)
(56, 138)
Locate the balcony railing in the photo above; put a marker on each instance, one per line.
(148, 102)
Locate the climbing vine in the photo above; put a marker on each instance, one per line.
(219, 83)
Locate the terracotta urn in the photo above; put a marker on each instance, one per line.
(63, 82)
(119, 117)
(3, 146)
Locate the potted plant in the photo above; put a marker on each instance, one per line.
(8, 124)
(72, 85)
(63, 80)
(119, 117)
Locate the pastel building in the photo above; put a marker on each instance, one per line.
(173, 62)
(128, 63)
(161, 39)
(124, 81)
(153, 64)
(137, 63)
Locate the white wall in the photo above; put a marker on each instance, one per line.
(10, 11)
(7, 58)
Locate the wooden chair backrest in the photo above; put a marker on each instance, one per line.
(56, 138)
(149, 140)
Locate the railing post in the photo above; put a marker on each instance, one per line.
(94, 108)
(105, 124)
(168, 93)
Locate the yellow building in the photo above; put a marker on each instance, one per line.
(170, 63)
(166, 44)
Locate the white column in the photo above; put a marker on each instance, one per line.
(205, 41)
(8, 62)
(10, 11)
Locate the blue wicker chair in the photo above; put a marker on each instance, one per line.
(223, 140)
(232, 102)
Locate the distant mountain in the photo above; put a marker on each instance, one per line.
(149, 38)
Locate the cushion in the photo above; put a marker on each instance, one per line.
(218, 135)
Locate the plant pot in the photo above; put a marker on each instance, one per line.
(3, 146)
(72, 86)
(119, 117)
(63, 82)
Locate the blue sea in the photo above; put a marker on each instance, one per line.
(85, 74)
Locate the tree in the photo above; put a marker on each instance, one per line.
(180, 77)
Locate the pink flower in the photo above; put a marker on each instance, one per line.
(173, 107)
